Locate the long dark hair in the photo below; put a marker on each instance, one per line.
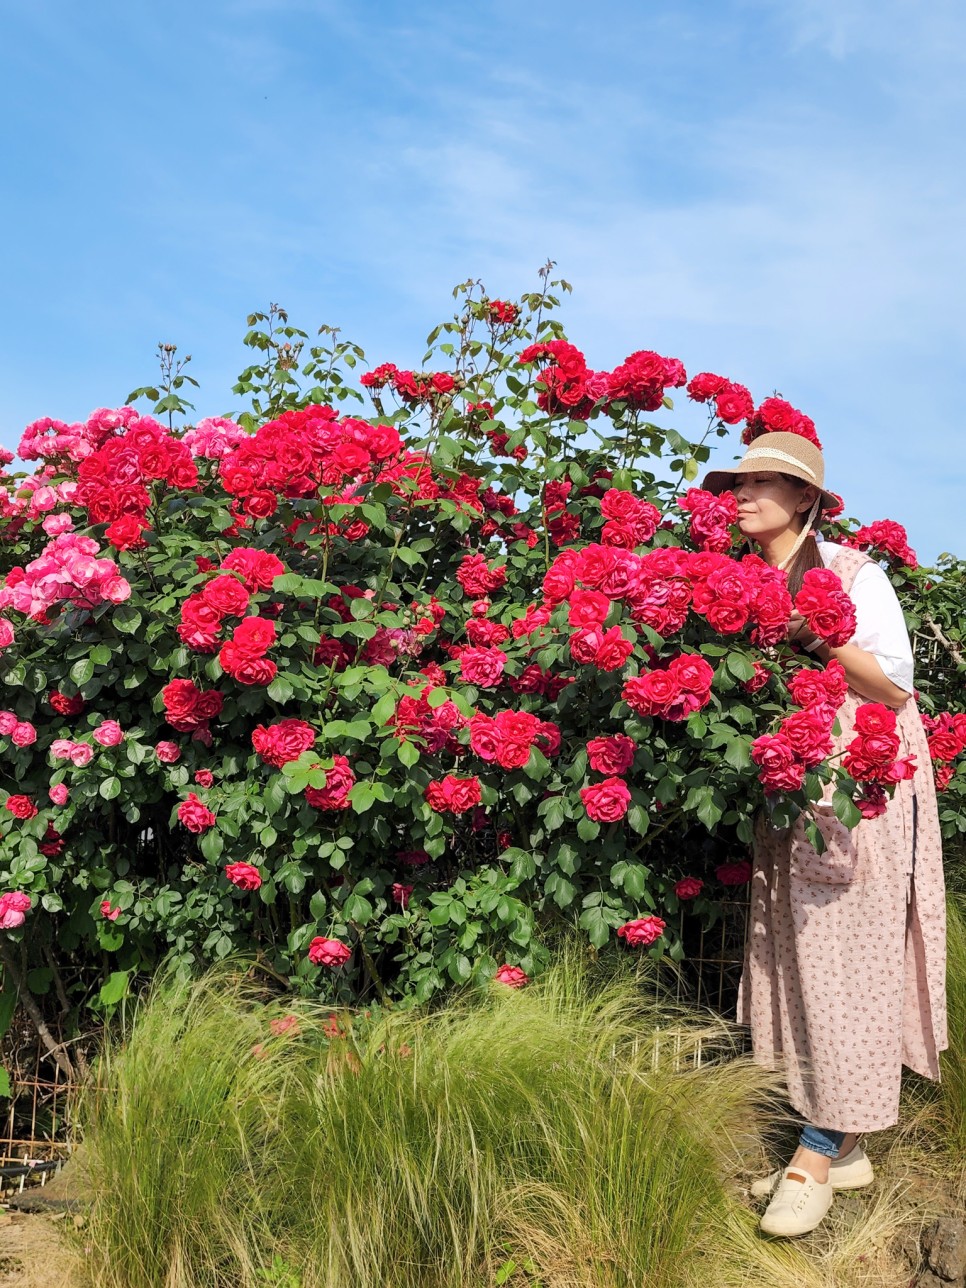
(808, 555)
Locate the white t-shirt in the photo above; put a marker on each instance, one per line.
(880, 628)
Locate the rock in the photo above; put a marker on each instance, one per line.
(944, 1244)
(929, 1280)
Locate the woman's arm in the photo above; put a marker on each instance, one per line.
(864, 674)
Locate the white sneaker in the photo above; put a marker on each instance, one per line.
(851, 1172)
(799, 1204)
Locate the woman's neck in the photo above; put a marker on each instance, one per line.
(777, 548)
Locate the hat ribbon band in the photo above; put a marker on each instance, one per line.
(772, 453)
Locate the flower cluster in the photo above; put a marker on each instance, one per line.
(244, 655)
(20, 732)
(712, 518)
(872, 756)
(886, 537)
(507, 738)
(452, 795)
(732, 402)
(672, 692)
(828, 611)
(804, 738)
(188, 708)
(114, 481)
(775, 415)
(947, 742)
(434, 729)
(630, 521)
(410, 386)
(283, 741)
(67, 571)
(14, 907)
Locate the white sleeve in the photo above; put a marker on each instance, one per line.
(880, 628)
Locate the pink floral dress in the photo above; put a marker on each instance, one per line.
(844, 976)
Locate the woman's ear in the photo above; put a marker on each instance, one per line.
(808, 498)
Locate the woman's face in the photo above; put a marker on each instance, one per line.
(769, 504)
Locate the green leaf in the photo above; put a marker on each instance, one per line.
(588, 829)
(82, 671)
(126, 618)
(4, 1083)
(211, 844)
(115, 988)
(637, 818)
(110, 788)
(407, 754)
(845, 809)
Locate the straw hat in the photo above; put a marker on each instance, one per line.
(783, 454)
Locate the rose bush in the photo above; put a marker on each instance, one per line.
(379, 700)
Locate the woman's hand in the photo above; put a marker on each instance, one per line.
(800, 633)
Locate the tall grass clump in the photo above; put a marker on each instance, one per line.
(952, 1089)
(561, 1135)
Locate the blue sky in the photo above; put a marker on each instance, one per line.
(771, 190)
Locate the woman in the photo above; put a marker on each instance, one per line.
(844, 978)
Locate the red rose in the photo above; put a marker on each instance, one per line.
(244, 668)
(21, 807)
(243, 875)
(688, 887)
(482, 666)
(66, 706)
(652, 693)
(613, 650)
(874, 718)
(515, 735)
(809, 734)
(258, 568)
(733, 874)
(204, 777)
(606, 802)
(328, 952)
(611, 755)
(705, 385)
(227, 596)
(588, 608)
(511, 976)
(196, 816)
(780, 768)
(642, 932)
(279, 743)
(339, 781)
(453, 795)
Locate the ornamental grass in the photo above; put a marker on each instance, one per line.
(561, 1134)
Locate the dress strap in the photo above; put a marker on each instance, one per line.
(846, 565)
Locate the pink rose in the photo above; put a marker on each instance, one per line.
(109, 733)
(8, 722)
(167, 752)
(23, 734)
(81, 754)
(14, 905)
(111, 914)
(58, 794)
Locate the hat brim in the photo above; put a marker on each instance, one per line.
(717, 481)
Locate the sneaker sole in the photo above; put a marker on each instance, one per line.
(761, 1190)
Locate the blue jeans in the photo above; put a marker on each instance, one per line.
(822, 1140)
